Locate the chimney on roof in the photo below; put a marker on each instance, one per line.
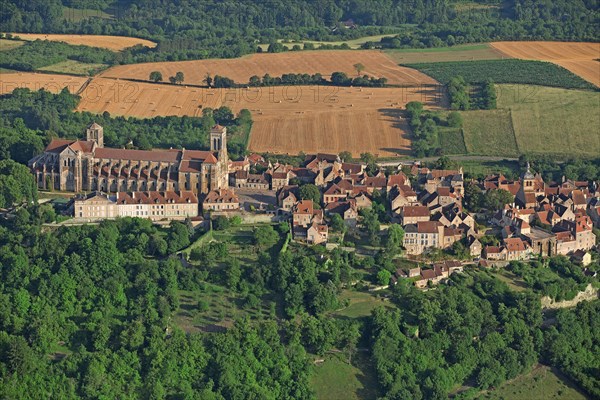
(133, 195)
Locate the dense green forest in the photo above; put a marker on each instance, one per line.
(210, 28)
(95, 300)
(28, 121)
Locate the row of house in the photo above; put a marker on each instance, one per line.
(545, 219)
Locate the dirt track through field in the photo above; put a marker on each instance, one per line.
(115, 43)
(578, 57)
(325, 62)
(287, 119)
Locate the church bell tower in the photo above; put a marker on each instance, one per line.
(95, 133)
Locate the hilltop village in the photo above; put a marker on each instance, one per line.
(327, 197)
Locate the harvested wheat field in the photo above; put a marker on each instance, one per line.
(115, 43)
(51, 82)
(578, 57)
(287, 119)
(325, 62)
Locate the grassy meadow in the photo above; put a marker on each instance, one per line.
(6, 44)
(74, 67)
(535, 119)
(542, 383)
(466, 52)
(360, 304)
(489, 132)
(335, 379)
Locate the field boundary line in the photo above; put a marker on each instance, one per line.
(512, 129)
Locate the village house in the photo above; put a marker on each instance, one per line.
(361, 199)
(333, 194)
(246, 180)
(221, 200)
(346, 209)
(442, 178)
(317, 233)
(279, 180)
(414, 214)
(308, 223)
(474, 246)
(593, 211)
(151, 205)
(287, 196)
(304, 214)
(400, 196)
(239, 165)
(422, 236)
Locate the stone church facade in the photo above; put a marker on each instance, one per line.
(86, 165)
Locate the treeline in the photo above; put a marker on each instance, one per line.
(41, 53)
(337, 79)
(464, 97)
(426, 125)
(204, 28)
(570, 168)
(29, 120)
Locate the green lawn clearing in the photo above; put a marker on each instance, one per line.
(74, 67)
(215, 308)
(514, 282)
(335, 379)
(540, 384)
(360, 304)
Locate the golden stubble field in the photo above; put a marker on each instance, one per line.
(287, 119)
(52, 82)
(325, 62)
(115, 43)
(578, 57)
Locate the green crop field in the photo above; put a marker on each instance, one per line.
(538, 120)
(467, 52)
(540, 384)
(74, 67)
(504, 71)
(335, 379)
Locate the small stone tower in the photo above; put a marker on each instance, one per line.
(218, 139)
(95, 133)
(528, 180)
(218, 144)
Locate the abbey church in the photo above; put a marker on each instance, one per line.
(86, 165)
